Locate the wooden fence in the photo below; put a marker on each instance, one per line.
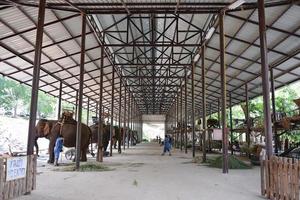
(18, 187)
(280, 178)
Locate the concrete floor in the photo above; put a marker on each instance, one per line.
(141, 173)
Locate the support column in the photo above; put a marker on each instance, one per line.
(128, 121)
(231, 124)
(81, 80)
(59, 100)
(124, 122)
(247, 116)
(76, 105)
(88, 112)
(181, 119)
(203, 72)
(36, 77)
(185, 110)
(223, 94)
(112, 111)
(120, 107)
(100, 123)
(265, 77)
(193, 108)
(219, 117)
(274, 118)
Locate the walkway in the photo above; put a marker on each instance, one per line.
(141, 173)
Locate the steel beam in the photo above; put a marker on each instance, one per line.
(265, 78)
(36, 76)
(223, 95)
(80, 94)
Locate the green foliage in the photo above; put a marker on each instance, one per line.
(13, 95)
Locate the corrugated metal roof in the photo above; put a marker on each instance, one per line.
(175, 37)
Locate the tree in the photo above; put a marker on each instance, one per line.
(13, 95)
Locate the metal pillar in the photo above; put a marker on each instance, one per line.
(203, 102)
(193, 108)
(185, 110)
(120, 107)
(177, 120)
(112, 111)
(219, 117)
(88, 112)
(81, 80)
(76, 105)
(276, 137)
(124, 122)
(231, 124)
(100, 123)
(265, 77)
(181, 119)
(247, 116)
(223, 94)
(128, 121)
(36, 77)
(59, 100)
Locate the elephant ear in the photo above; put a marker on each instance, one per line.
(47, 129)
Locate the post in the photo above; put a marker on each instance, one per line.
(193, 107)
(265, 77)
(100, 123)
(112, 111)
(128, 121)
(219, 117)
(223, 94)
(276, 138)
(81, 80)
(203, 102)
(177, 119)
(247, 116)
(59, 100)
(231, 124)
(36, 77)
(124, 123)
(120, 107)
(185, 110)
(181, 118)
(88, 112)
(76, 105)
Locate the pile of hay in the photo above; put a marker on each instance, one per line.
(87, 167)
(233, 163)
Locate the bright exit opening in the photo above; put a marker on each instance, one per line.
(153, 126)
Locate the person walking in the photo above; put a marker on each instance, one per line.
(57, 149)
(167, 145)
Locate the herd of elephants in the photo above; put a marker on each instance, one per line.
(66, 127)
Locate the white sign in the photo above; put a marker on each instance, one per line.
(16, 168)
(217, 134)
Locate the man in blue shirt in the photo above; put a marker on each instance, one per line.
(167, 145)
(57, 149)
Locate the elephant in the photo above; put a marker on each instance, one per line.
(118, 138)
(51, 129)
(106, 134)
(40, 131)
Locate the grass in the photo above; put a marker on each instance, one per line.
(87, 167)
(233, 162)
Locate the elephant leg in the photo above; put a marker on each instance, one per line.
(36, 147)
(83, 155)
(51, 150)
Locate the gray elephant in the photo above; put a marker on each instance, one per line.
(106, 134)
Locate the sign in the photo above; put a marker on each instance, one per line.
(217, 134)
(16, 168)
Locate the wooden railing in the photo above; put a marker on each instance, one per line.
(280, 178)
(18, 187)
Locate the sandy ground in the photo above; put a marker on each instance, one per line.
(141, 173)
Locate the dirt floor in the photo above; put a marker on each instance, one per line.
(141, 173)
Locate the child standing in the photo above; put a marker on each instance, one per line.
(167, 145)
